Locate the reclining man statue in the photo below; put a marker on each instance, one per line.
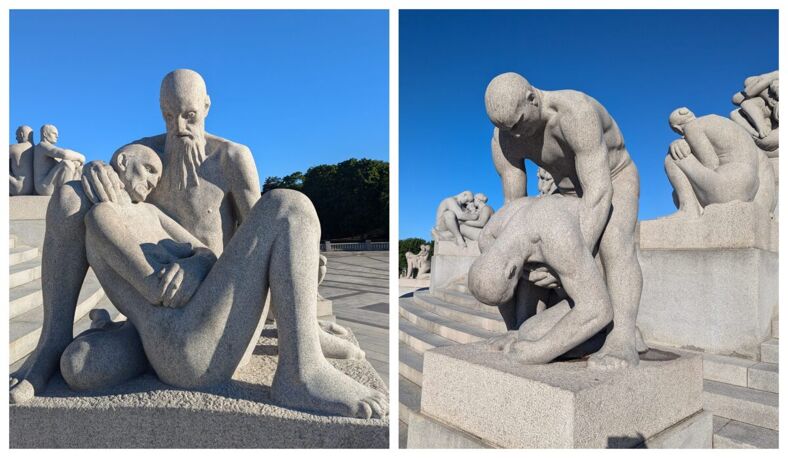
(574, 139)
(536, 234)
(715, 161)
(53, 166)
(209, 187)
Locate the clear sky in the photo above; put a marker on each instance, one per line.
(640, 65)
(299, 88)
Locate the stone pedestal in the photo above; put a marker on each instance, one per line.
(499, 403)
(145, 413)
(28, 207)
(451, 263)
(710, 283)
(414, 282)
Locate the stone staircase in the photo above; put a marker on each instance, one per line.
(26, 311)
(742, 394)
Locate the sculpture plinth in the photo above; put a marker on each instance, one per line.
(711, 282)
(450, 263)
(558, 405)
(24, 208)
(147, 413)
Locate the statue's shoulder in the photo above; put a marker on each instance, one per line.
(229, 150)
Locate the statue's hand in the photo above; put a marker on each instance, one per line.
(179, 280)
(543, 278)
(502, 342)
(101, 183)
(679, 149)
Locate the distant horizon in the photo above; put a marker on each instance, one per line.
(320, 96)
(640, 65)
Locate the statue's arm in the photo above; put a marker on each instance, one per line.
(243, 179)
(120, 248)
(700, 145)
(63, 153)
(769, 143)
(483, 217)
(181, 235)
(583, 133)
(761, 83)
(510, 168)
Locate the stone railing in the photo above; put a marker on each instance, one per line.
(355, 246)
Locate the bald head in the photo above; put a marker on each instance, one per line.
(182, 85)
(49, 133)
(24, 134)
(680, 117)
(509, 99)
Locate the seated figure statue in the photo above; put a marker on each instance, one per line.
(21, 171)
(52, 165)
(528, 236)
(759, 110)
(716, 161)
(451, 212)
(418, 264)
(209, 220)
(471, 228)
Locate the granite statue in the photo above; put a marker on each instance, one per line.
(21, 172)
(758, 111)
(203, 257)
(451, 212)
(471, 228)
(572, 137)
(418, 263)
(545, 183)
(527, 237)
(52, 165)
(715, 162)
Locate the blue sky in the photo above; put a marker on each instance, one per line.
(299, 88)
(639, 64)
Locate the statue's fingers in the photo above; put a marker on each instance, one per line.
(97, 186)
(116, 181)
(88, 190)
(106, 182)
(172, 289)
(167, 278)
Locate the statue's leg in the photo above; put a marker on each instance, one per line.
(623, 278)
(470, 232)
(453, 226)
(63, 270)
(57, 176)
(737, 117)
(753, 109)
(102, 358)
(687, 201)
(728, 182)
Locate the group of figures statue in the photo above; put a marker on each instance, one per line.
(562, 267)
(37, 169)
(462, 217)
(418, 263)
(186, 248)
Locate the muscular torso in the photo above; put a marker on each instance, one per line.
(730, 141)
(548, 149)
(42, 162)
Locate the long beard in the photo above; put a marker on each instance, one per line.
(184, 157)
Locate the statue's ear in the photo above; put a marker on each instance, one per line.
(121, 161)
(207, 104)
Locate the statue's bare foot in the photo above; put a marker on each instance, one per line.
(320, 387)
(338, 348)
(332, 328)
(100, 319)
(499, 343)
(614, 354)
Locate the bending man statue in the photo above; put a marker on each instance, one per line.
(208, 190)
(573, 138)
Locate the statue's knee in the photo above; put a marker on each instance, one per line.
(294, 204)
(74, 365)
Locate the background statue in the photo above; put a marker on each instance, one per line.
(715, 161)
(573, 138)
(21, 172)
(52, 165)
(451, 212)
(209, 188)
(418, 263)
(471, 228)
(758, 114)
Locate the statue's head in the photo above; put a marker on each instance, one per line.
(24, 134)
(184, 103)
(464, 197)
(493, 276)
(139, 168)
(49, 133)
(679, 118)
(480, 199)
(513, 105)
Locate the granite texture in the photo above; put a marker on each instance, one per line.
(451, 263)
(577, 142)
(568, 406)
(23, 208)
(240, 413)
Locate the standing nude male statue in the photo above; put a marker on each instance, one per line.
(21, 172)
(572, 137)
(52, 165)
(210, 187)
(715, 161)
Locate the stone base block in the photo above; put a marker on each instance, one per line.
(451, 262)
(558, 405)
(722, 226)
(693, 432)
(145, 413)
(28, 207)
(414, 282)
(717, 300)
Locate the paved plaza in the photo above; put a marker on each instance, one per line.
(358, 284)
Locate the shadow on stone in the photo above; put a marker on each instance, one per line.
(626, 441)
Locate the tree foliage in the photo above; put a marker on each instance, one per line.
(351, 198)
(412, 245)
